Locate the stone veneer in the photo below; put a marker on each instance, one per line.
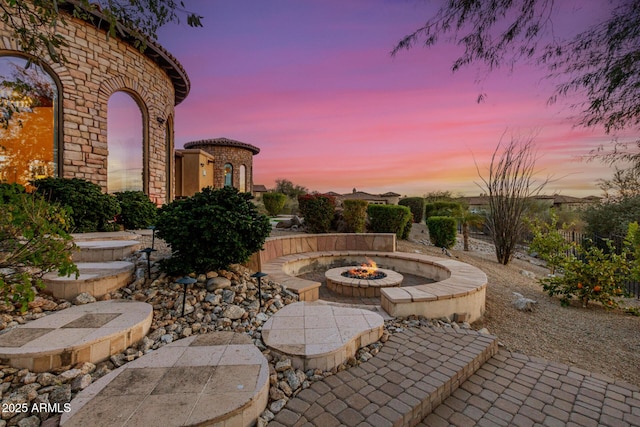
(95, 68)
(225, 150)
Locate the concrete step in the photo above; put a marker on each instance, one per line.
(82, 333)
(105, 250)
(218, 379)
(110, 235)
(96, 278)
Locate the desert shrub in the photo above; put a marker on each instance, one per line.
(211, 230)
(612, 218)
(390, 219)
(317, 211)
(442, 231)
(355, 215)
(416, 204)
(136, 210)
(91, 209)
(274, 202)
(593, 275)
(633, 242)
(33, 242)
(548, 242)
(441, 208)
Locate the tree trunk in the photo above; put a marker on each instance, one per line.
(465, 236)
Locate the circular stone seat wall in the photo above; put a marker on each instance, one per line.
(458, 291)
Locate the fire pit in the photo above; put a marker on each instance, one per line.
(361, 281)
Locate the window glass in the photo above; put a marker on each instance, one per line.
(125, 144)
(228, 175)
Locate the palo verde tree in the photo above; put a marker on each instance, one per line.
(510, 186)
(602, 62)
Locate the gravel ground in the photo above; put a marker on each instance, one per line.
(595, 339)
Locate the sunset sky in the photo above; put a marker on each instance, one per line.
(313, 85)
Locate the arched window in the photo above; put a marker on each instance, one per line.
(29, 121)
(125, 142)
(228, 175)
(243, 179)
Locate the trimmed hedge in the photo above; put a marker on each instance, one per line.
(91, 209)
(442, 231)
(416, 204)
(317, 211)
(136, 210)
(355, 215)
(211, 230)
(441, 209)
(390, 219)
(274, 202)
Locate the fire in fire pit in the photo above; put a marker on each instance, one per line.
(368, 271)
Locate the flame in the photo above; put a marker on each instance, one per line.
(365, 270)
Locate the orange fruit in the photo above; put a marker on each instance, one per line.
(579, 285)
(596, 288)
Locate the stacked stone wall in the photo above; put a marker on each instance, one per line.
(236, 156)
(95, 68)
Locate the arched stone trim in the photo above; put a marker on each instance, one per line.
(59, 75)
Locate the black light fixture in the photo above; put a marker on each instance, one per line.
(185, 281)
(160, 120)
(148, 252)
(153, 235)
(259, 275)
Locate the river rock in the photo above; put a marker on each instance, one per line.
(84, 298)
(218, 282)
(233, 312)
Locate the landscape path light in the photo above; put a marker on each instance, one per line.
(185, 281)
(259, 275)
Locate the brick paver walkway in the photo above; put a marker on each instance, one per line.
(438, 377)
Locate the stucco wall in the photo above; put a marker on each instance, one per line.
(95, 69)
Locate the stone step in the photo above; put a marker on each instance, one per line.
(316, 335)
(96, 278)
(109, 235)
(82, 333)
(218, 379)
(105, 250)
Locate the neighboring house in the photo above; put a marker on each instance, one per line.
(480, 203)
(389, 198)
(258, 191)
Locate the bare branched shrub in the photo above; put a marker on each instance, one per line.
(510, 186)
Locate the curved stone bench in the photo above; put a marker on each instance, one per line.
(96, 278)
(218, 379)
(319, 335)
(459, 289)
(82, 333)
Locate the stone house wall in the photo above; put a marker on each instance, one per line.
(237, 157)
(95, 68)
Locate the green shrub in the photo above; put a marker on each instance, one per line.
(612, 218)
(91, 209)
(594, 275)
(548, 242)
(211, 230)
(390, 219)
(442, 231)
(274, 202)
(355, 215)
(416, 204)
(136, 210)
(633, 242)
(442, 209)
(33, 242)
(317, 211)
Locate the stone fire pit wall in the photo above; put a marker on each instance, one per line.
(276, 247)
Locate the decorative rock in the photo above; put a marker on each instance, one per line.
(484, 331)
(292, 379)
(528, 274)
(261, 317)
(283, 365)
(218, 282)
(277, 406)
(84, 298)
(81, 382)
(32, 421)
(46, 379)
(523, 304)
(228, 296)
(233, 312)
(167, 338)
(275, 393)
(60, 395)
(69, 375)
